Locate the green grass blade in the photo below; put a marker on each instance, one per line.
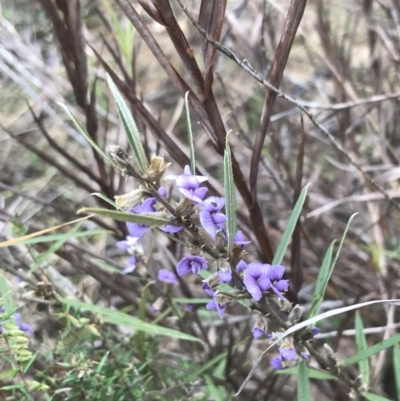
(131, 129)
(374, 397)
(6, 295)
(303, 384)
(190, 135)
(342, 240)
(54, 247)
(396, 367)
(312, 373)
(230, 196)
(287, 234)
(322, 281)
(212, 388)
(84, 133)
(372, 350)
(361, 342)
(130, 217)
(122, 319)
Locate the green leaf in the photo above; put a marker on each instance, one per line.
(106, 266)
(83, 131)
(54, 247)
(322, 281)
(230, 196)
(312, 373)
(291, 224)
(131, 130)
(374, 397)
(212, 388)
(326, 271)
(122, 319)
(396, 366)
(146, 219)
(361, 342)
(372, 350)
(6, 295)
(303, 384)
(190, 135)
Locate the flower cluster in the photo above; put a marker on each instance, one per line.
(206, 217)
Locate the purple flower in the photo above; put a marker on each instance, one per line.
(257, 332)
(210, 217)
(131, 265)
(277, 283)
(262, 277)
(239, 240)
(167, 276)
(256, 279)
(287, 357)
(276, 363)
(241, 266)
(23, 326)
(136, 229)
(305, 356)
(315, 330)
(191, 263)
(214, 304)
(225, 276)
(188, 185)
(129, 244)
(172, 229)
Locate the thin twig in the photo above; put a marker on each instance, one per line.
(252, 72)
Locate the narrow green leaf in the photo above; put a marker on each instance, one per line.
(85, 134)
(212, 388)
(146, 219)
(59, 237)
(120, 318)
(6, 295)
(291, 224)
(106, 266)
(396, 366)
(230, 196)
(374, 397)
(342, 240)
(131, 130)
(312, 373)
(322, 281)
(372, 350)
(303, 384)
(108, 200)
(54, 247)
(190, 135)
(361, 342)
(102, 362)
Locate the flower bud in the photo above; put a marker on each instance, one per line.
(156, 170)
(296, 314)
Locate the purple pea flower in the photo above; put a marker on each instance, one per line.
(241, 266)
(172, 229)
(239, 240)
(256, 279)
(210, 214)
(131, 265)
(191, 263)
(23, 326)
(262, 277)
(287, 357)
(136, 229)
(214, 304)
(167, 276)
(129, 244)
(188, 185)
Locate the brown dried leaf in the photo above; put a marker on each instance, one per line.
(211, 19)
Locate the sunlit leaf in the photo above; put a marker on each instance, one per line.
(122, 319)
(361, 342)
(131, 129)
(303, 384)
(290, 226)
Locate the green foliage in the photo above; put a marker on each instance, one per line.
(303, 384)
(361, 342)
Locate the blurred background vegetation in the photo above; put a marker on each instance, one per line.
(343, 67)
